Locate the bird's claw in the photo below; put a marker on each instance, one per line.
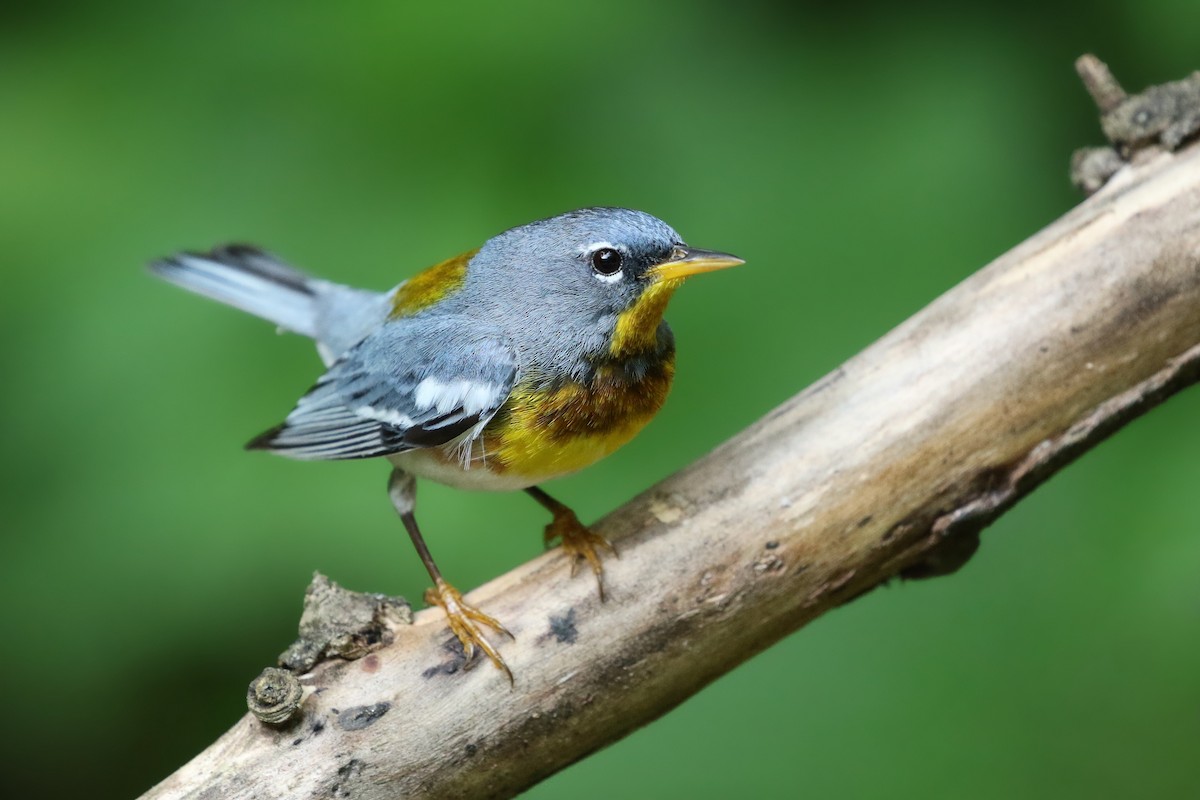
(579, 543)
(465, 621)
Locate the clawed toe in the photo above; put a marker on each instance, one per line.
(465, 621)
(580, 544)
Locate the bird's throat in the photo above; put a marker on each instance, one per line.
(636, 331)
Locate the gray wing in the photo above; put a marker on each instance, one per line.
(414, 382)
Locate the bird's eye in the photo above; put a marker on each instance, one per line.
(606, 261)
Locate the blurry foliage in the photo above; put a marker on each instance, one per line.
(861, 161)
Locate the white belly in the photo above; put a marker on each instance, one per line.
(476, 477)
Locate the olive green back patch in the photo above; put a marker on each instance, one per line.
(431, 285)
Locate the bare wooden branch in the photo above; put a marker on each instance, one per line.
(923, 438)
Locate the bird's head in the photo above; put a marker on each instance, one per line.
(597, 280)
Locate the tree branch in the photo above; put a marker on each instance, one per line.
(901, 454)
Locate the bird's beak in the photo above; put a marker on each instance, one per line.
(687, 261)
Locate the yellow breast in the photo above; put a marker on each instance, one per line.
(544, 433)
(547, 433)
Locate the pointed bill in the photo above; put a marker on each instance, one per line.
(687, 261)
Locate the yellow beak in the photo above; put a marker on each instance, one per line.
(687, 261)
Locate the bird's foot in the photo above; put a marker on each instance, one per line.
(465, 621)
(579, 543)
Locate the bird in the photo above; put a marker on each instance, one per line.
(526, 359)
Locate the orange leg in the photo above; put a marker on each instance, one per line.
(578, 541)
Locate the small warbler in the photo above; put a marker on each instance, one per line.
(527, 359)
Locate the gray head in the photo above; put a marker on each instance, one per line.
(585, 285)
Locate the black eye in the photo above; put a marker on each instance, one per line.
(606, 261)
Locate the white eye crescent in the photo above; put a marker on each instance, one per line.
(607, 262)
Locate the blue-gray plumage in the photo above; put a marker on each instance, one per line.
(369, 402)
(530, 358)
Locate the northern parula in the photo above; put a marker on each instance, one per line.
(527, 359)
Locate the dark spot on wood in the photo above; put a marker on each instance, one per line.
(862, 523)
(472, 750)
(317, 727)
(370, 663)
(347, 771)
(563, 628)
(359, 717)
(297, 740)
(771, 545)
(456, 663)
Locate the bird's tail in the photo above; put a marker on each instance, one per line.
(250, 279)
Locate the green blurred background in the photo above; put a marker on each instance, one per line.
(862, 161)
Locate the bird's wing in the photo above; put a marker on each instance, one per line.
(415, 382)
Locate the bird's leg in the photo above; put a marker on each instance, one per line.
(578, 541)
(464, 619)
